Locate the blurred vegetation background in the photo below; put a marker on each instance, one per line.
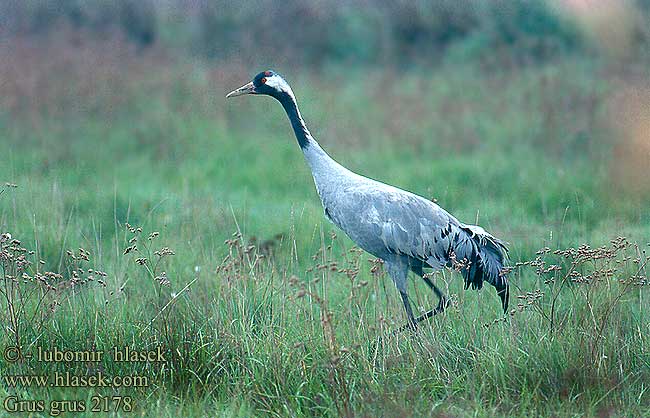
(531, 118)
(543, 105)
(394, 34)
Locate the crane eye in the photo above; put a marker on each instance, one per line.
(263, 80)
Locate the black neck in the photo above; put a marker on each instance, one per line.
(290, 106)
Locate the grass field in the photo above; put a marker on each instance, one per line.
(261, 306)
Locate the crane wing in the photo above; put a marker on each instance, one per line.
(413, 226)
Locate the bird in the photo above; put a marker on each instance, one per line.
(406, 231)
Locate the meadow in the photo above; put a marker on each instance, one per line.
(146, 211)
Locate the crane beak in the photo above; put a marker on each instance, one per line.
(245, 89)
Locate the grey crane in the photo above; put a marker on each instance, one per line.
(406, 231)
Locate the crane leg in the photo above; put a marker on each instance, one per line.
(413, 323)
(443, 302)
(398, 268)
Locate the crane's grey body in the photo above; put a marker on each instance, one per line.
(406, 231)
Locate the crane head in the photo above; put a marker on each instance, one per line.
(267, 82)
